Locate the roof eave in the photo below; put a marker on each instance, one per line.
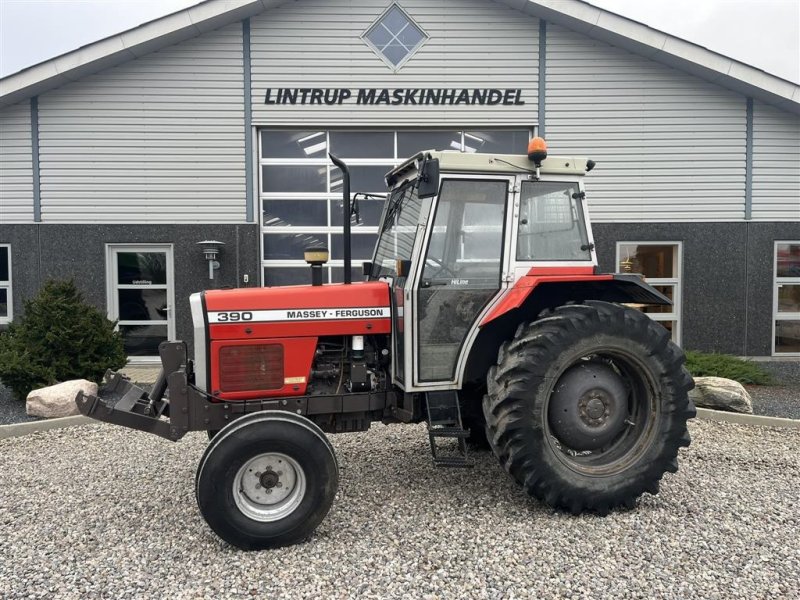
(666, 49)
(574, 14)
(134, 43)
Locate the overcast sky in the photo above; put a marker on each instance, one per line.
(762, 33)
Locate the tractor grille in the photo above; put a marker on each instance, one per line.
(245, 368)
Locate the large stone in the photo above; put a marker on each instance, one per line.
(721, 394)
(58, 400)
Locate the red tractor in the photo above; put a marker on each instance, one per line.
(481, 313)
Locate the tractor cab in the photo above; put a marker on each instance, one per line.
(457, 231)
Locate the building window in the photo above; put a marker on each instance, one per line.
(660, 263)
(6, 304)
(395, 37)
(786, 304)
(301, 191)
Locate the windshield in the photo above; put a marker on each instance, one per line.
(397, 233)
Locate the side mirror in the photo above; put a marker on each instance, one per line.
(429, 178)
(366, 268)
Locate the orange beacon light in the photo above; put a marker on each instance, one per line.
(537, 150)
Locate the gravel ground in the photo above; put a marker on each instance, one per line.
(100, 511)
(775, 401)
(782, 399)
(785, 372)
(12, 410)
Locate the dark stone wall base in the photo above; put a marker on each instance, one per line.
(42, 252)
(727, 271)
(727, 280)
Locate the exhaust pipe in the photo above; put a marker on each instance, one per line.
(346, 217)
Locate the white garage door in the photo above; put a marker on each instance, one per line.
(301, 191)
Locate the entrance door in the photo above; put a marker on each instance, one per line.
(461, 273)
(141, 297)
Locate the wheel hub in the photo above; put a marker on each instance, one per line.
(593, 407)
(269, 486)
(269, 479)
(588, 407)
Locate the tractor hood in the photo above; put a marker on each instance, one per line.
(303, 310)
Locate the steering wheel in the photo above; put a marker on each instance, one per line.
(443, 268)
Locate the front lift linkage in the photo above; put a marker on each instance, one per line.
(175, 406)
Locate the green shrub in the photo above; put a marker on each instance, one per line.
(701, 364)
(60, 337)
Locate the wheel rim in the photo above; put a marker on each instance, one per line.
(269, 487)
(611, 419)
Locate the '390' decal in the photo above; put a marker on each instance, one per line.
(233, 317)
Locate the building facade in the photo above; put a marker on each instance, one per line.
(215, 123)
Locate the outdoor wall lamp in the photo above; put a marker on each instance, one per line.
(211, 249)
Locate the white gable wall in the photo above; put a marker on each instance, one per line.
(317, 44)
(159, 139)
(776, 165)
(16, 167)
(669, 146)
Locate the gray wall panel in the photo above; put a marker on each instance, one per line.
(473, 44)
(760, 285)
(669, 146)
(776, 164)
(41, 252)
(713, 282)
(727, 268)
(159, 139)
(16, 169)
(24, 241)
(728, 278)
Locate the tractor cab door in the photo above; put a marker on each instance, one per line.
(400, 239)
(462, 269)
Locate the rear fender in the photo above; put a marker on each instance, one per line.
(533, 294)
(554, 290)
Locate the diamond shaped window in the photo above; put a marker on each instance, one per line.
(395, 37)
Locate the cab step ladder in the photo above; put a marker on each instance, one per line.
(444, 421)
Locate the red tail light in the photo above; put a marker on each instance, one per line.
(244, 368)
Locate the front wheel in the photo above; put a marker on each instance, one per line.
(266, 480)
(587, 407)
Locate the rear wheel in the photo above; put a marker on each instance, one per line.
(267, 480)
(587, 407)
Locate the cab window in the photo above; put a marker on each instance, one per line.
(551, 224)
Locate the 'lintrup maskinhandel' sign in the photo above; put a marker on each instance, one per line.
(395, 97)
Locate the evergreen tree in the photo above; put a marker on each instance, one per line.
(60, 337)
